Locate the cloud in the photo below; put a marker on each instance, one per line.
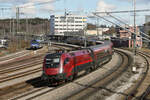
(14, 2)
(103, 6)
(47, 4)
(47, 7)
(32, 6)
(40, 1)
(28, 8)
(137, 1)
(142, 1)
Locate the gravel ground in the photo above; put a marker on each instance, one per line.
(13, 54)
(34, 53)
(114, 90)
(21, 71)
(21, 79)
(79, 84)
(22, 54)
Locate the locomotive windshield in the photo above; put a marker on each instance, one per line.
(34, 42)
(52, 61)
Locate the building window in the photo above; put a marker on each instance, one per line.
(78, 17)
(62, 17)
(78, 21)
(79, 25)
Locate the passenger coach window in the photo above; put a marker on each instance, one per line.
(66, 61)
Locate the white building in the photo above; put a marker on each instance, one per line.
(60, 24)
(98, 31)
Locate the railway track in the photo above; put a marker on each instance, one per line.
(24, 85)
(21, 61)
(30, 94)
(34, 93)
(20, 67)
(146, 94)
(90, 88)
(15, 55)
(103, 82)
(105, 79)
(22, 64)
(18, 75)
(140, 89)
(135, 93)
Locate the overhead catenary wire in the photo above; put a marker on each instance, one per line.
(28, 6)
(125, 11)
(122, 19)
(118, 25)
(38, 4)
(126, 24)
(108, 13)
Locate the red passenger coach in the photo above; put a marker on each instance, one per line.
(65, 66)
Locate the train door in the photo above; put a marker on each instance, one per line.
(67, 64)
(93, 59)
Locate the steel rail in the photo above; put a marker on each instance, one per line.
(134, 90)
(111, 76)
(18, 75)
(24, 66)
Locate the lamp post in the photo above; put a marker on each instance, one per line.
(85, 37)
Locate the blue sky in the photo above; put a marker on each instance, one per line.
(30, 8)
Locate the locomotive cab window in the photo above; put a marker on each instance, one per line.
(52, 61)
(66, 61)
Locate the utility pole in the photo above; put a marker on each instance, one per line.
(13, 28)
(97, 27)
(17, 18)
(134, 37)
(10, 28)
(26, 35)
(85, 37)
(66, 17)
(3, 22)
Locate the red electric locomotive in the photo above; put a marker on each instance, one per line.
(65, 66)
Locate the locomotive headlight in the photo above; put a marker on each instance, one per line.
(61, 69)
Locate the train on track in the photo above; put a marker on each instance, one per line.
(66, 65)
(35, 44)
(81, 41)
(3, 43)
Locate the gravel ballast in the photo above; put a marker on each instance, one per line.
(81, 83)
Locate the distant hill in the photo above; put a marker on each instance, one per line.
(30, 25)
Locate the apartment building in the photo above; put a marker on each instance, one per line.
(61, 24)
